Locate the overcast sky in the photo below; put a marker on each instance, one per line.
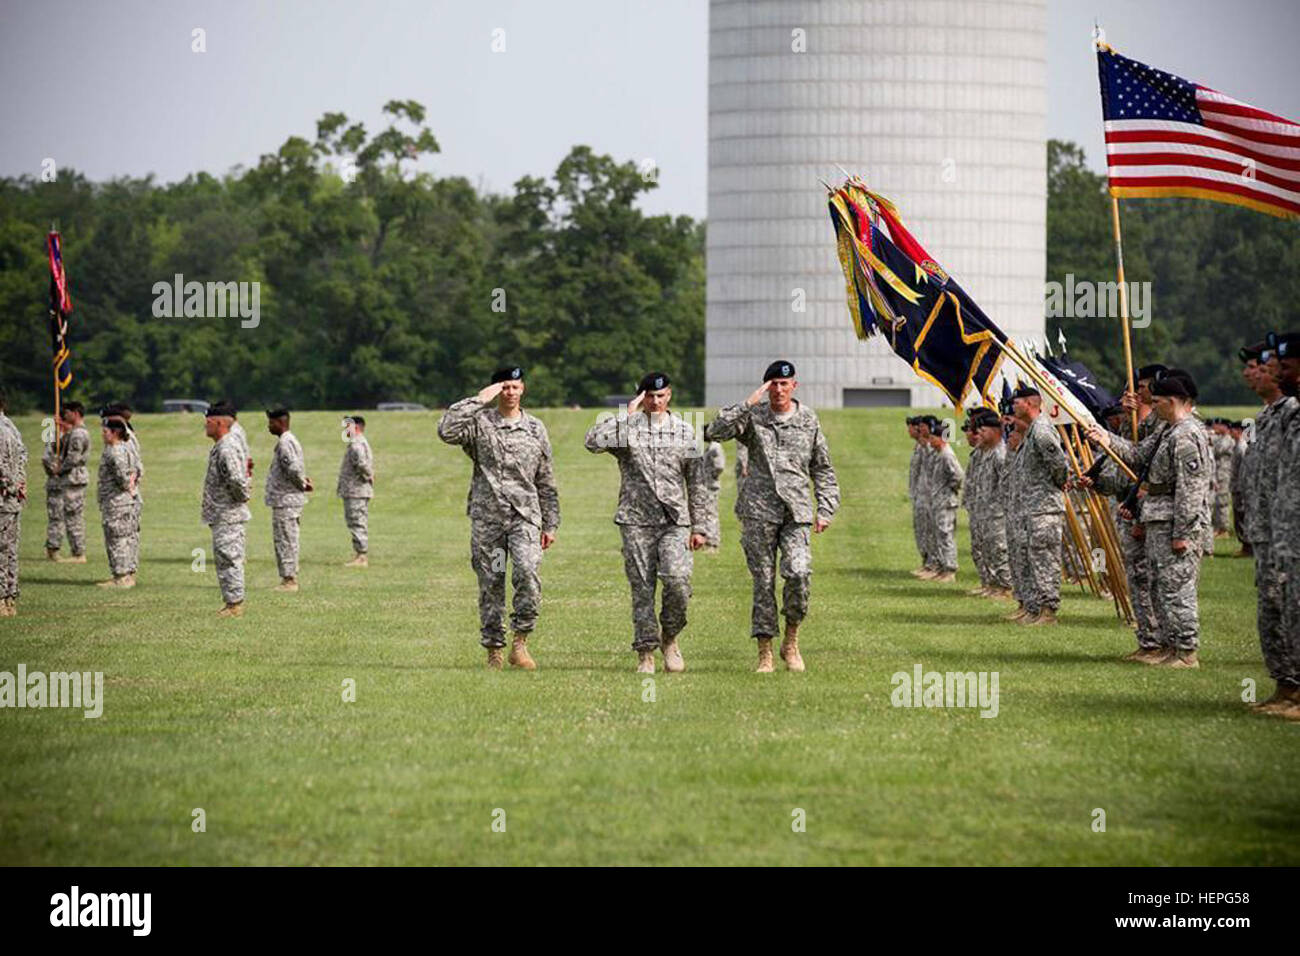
(113, 88)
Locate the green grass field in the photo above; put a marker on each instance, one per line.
(245, 718)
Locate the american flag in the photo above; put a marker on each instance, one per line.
(1166, 136)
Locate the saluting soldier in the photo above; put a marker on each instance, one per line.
(13, 494)
(513, 507)
(791, 491)
(65, 485)
(227, 488)
(1173, 509)
(357, 487)
(662, 513)
(1041, 470)
(287, 486)
(116, 494)
(1283, 656)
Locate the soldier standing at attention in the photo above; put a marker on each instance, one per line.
(1284, 524)
(1224, 446)
(1173, 511)
(662, 512)
(238, 433)
(116, 494)
(13, 493)
(715, 463)
(945, 491)
(968, 491)
(513, 507)
(287, 486)
(989, 502)
(914, 467)
(356, 487)
(924, 493)
(1016, 554)
(1041, 469)
(226, 491)
(1238, 431)
(65, 486)
(791, 491)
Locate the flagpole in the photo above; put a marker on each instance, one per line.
(1123, 309)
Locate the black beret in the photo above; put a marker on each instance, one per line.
(221, 409)
(1148, 371)
(507, 373)
(912, 420)
(1025, 390)
(653, 382)
(115, 425)
(779, 369)
(1248, 353)
(354, 420)
(986, 418)
(277, 412)
(1174, 383)
(1287, 344)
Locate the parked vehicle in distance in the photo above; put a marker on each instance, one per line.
(185, 405)
(401, 407)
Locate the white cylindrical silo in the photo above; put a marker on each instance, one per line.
(938, 104)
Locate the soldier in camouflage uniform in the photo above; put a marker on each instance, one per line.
(968, 491)
(1282, 654)
(513, 507)
(287, 486)
(663, 501)
(987, 508)
(946, 477)
(1174, 508)
(715, 463)
(931, 566)
(1040, 471)
(1107, 478)
(1238, 431)
(356, 487)
(116, 495)
(13, 493)
(1223, 445)
(227, 488)
(914, 466)
(787, 454)
(122, 412)
(65, 485)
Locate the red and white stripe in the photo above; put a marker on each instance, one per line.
(1239, 154)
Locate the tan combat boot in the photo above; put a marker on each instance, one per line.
(944, 577)
(1183, 660)
(1134, 656)
(232, 610)
(1285, 700)
(52, 554)
(361, 560)
(496, 658)
(917, 572)
(1030, 617)
(289, 585)
(645, 662)
(790, 649)
(673, 662)
(764, 656)
(1045, 618)
(927, 574)
(8, 607)
(1018, 615)
(128, 580)
(1160, 656)
(519, 656)
(980, 591)
(116, 581)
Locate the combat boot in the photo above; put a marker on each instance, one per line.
(1045, 618)
(927, 574)
(645, 662)
(52, 554)
(496, 657)
(944, 577)
(1160, 656)
(360, 561)
(673, 662)
(790, 649)
(1183, 660)
(1134, 656)
(1031, 617)
(128, 580)
(980, 591)
(232, 610)
(116, 581)
(917, 572)
(1019, 614)
(519, 656)
(289, 585)
(8, 607)
(1285, 700)
(764, 656)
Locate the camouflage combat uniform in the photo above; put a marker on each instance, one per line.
(1283, 656)
(1040, 469)
(117, 508)
(512, 503)
(13, 474)
(988, 527)
(65, 490)
(776, 505)
(1176, 506)
(945, 490)
(1112, 481)
(1013, 525)
(356, 487)
(715, 463)
(1238, 486)
(226, 491)
(924, 494)
(914, 467)
(1259, 489)
(663, 498)
(1224, 448)
(286, 495)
